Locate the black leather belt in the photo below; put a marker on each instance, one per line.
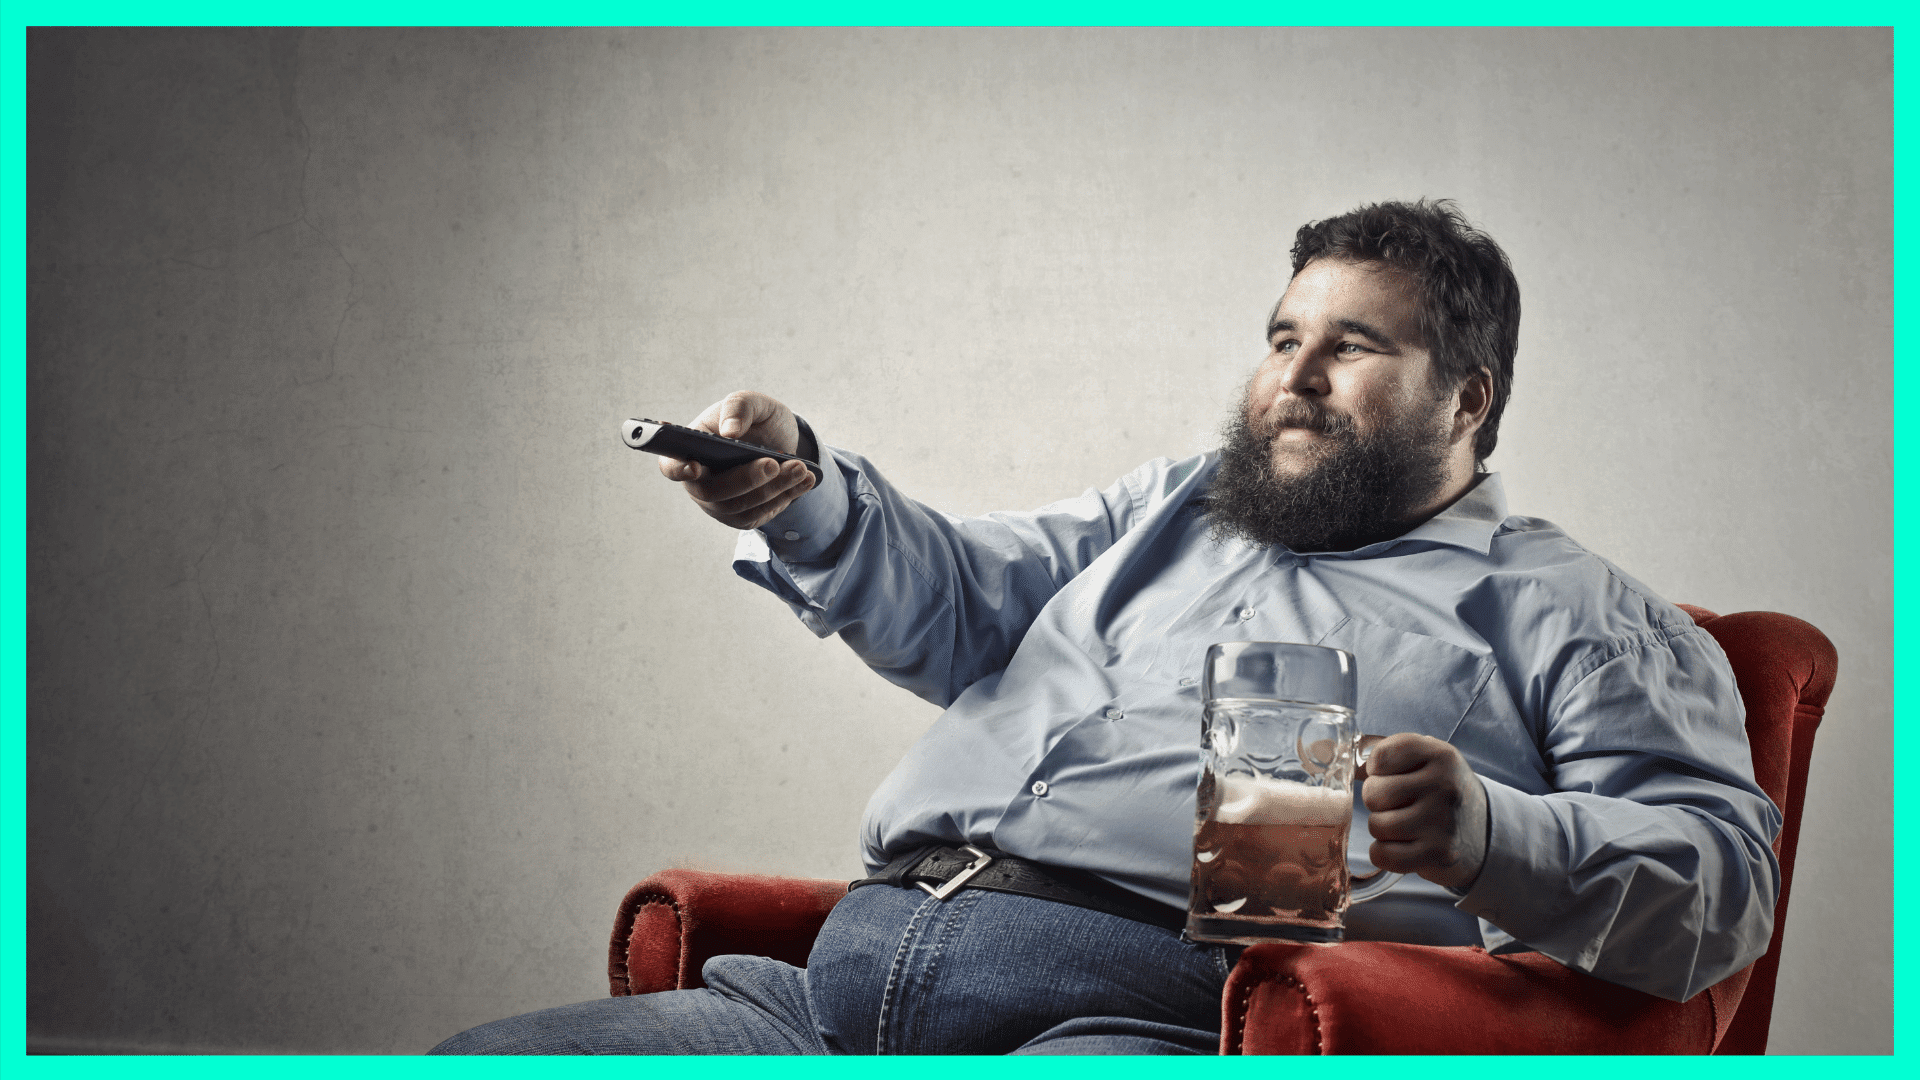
(942, 870)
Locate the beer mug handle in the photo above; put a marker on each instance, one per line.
(1371, 885)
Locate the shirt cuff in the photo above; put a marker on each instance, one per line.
(1521, 836)
(808, 528)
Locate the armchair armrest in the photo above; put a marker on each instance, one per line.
(670, 924)
(1376, 997)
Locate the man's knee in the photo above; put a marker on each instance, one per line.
(532, 1033)
(706, 1021)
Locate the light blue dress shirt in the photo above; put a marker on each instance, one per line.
(1628, 837)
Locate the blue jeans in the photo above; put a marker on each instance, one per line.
(895, 971)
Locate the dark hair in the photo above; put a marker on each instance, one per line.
(1470, 302)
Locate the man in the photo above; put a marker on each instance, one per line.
(1563, 768)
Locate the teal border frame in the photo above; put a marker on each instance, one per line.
(19, 15)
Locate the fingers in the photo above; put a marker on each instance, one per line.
(1433, 856)
(1399, 776)
(744, 486)
(1406, 769)
(1427, 810)
(1438, 855)
(1403, 753)
(748, 496)
(675, 469)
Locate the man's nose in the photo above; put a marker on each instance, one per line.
(1304, 373)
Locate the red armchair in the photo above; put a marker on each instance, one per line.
(1358, 997)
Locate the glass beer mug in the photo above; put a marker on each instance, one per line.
(1275, 802)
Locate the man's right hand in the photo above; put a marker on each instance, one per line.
(746, 496)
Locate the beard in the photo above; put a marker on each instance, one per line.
(1356, 489)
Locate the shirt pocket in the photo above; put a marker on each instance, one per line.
(1410, 682)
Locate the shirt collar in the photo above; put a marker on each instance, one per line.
(1469, 522)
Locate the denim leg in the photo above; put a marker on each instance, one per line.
(897, 972)
(751, 1005)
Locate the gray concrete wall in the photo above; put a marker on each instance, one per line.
(367, 669)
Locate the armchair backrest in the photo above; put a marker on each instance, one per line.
(1785, 668)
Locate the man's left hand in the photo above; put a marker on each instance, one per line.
(1427, 810)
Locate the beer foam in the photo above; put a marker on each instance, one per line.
(1264, 800)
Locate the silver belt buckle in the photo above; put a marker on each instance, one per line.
(979, 863)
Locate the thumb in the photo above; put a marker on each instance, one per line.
(741, 410)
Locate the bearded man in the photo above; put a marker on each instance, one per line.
(1561, 763)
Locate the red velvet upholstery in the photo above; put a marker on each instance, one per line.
(673, 922)
(1786, 670)
(1376, 997)
(1359, 997)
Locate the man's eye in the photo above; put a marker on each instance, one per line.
(1349, 348)
(1284, 346)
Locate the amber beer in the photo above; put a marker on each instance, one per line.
(1270, 852)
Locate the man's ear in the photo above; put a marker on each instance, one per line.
(1476, 397)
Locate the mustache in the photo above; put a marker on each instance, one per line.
(1303, 413)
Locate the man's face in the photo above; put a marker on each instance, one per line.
(1345, 361)
(1342, 438)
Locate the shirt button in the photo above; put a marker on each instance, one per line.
(791, 535)
(1186, 682)
(1246, 614)
(1039, 787)
(1115, 714)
